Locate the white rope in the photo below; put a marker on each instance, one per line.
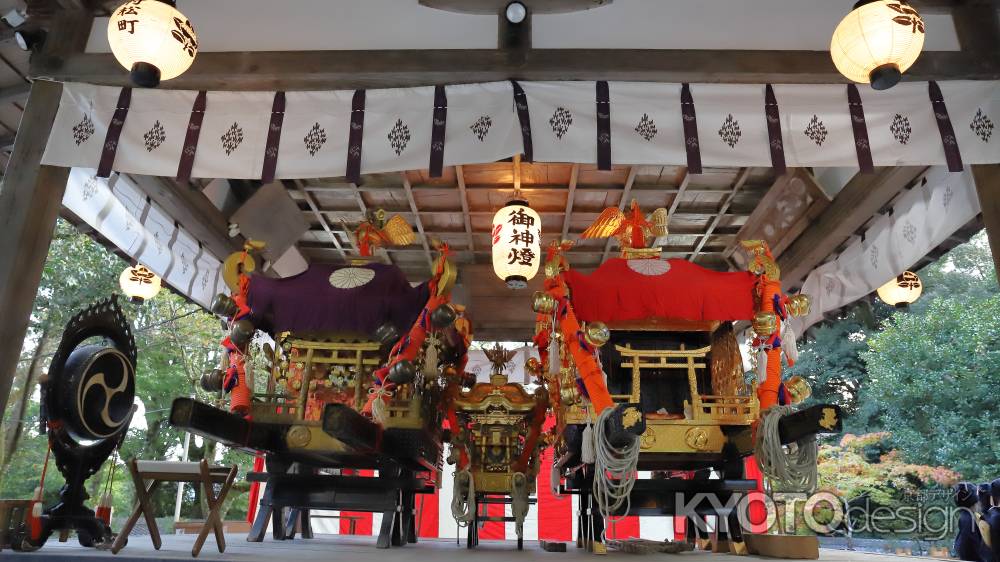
(463, 506)
(519, 501)
(380, 411)
(614, 471)
(792, 469)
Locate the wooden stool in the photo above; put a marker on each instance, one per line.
(148, 475)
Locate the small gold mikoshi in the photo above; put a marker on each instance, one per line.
(596, 333)
(798, 305)
(798, 389)
(543, 303)
(764, 323)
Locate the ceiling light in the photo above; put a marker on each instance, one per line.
(516, 12)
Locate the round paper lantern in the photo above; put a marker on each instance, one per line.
(902, 290)
(877, 42)
(517, 230)
(152, 39)
(139, 283)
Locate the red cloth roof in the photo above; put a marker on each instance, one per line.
(616, 292)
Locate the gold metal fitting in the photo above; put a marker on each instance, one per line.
(764, 323)
(543, 303)
(696, 438)
(298, 436)
(798, 389)
(798, 305)
(596, 333)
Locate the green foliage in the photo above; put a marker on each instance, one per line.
(937, 372)
(176, 342)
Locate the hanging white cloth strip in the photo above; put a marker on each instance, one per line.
(919, 221)
(150, 131)
(128, 219)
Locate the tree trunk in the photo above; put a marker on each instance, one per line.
(13, 436)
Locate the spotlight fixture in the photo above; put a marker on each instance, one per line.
(515, 12)
(30, 40)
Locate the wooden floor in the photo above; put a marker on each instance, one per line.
(358, 549)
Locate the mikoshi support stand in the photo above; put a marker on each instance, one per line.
(392, 493)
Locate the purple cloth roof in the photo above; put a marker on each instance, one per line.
(310, 301)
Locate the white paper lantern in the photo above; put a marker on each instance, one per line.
(153, 40)
(517, 231)
(877, 42)
(139, 283)
(901, 291)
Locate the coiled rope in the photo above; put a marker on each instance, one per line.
(614, 471)
(463, 507)
(791, 469)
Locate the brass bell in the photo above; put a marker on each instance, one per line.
(764, 323)
(596, 333)
(443, 316)
(211, 381)
(387, 334)
(403, 372)
(534, 367)
(798, 389)
(798, 305)
(223, 305)
(543, 303)
(241, 333)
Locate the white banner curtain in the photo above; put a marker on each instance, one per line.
(922, 218)
(646, 127)
(119, 211)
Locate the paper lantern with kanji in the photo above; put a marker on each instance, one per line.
(139, 283)
(517, 231)
(901, 291)
(877, 42)
(152, 40)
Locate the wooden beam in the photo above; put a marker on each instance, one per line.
(632, 172)
(741, 178)
(460, 179)
(416, 219)
(330, 70)
(191, 209)
(855, 205)
(987, 178)
(574, 174)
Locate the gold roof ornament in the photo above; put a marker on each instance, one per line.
(375, 232)
(761, 260)
(499, 358)
(631, 229)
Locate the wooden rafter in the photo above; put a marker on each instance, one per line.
(322, 220)
(464, 197)
(416, 219)
(574, 175)
(741, 179)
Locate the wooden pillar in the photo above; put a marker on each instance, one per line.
(30, 199)
(987, 178)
